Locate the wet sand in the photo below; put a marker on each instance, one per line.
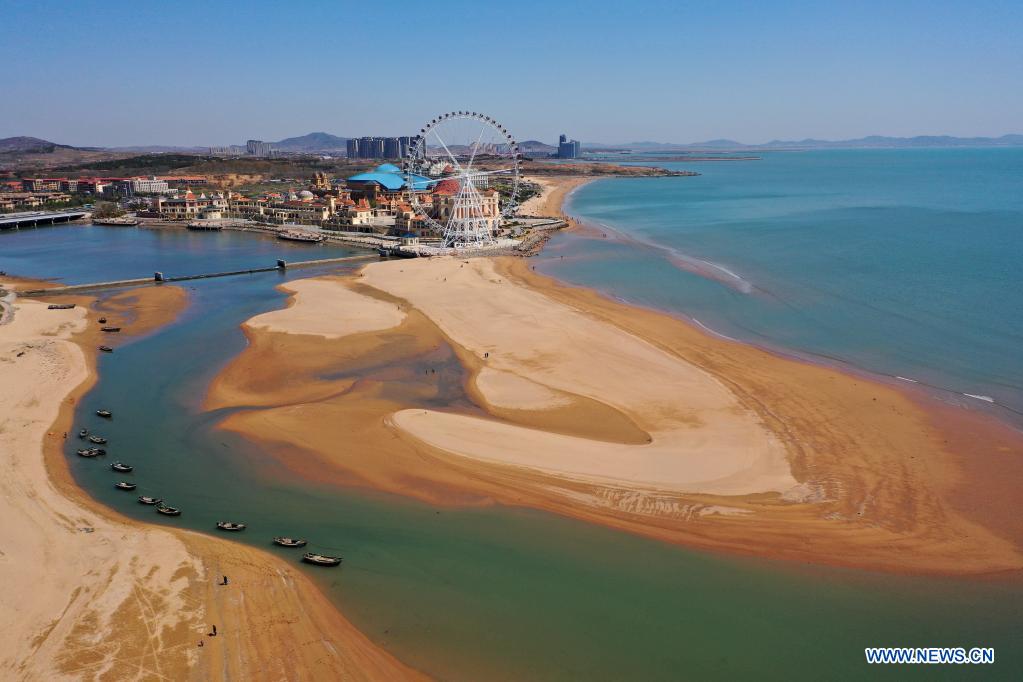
(563, 400)
(89, 594)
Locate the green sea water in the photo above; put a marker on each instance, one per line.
(496, 593)
(900, 262)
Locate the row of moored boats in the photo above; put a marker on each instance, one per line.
(166, 510)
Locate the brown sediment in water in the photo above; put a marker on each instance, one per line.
(875, 481)
(110, 597)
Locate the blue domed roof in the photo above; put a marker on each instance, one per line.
(392, 181)
(387, 168)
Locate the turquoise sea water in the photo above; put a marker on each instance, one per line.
(900, 262)
(495, 593)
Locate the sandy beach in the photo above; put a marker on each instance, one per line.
(616, 415)
(92, 595)
(553, 192)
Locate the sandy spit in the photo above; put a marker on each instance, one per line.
(620, 416)
(87, 594)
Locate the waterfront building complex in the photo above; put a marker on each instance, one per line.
(378, 201)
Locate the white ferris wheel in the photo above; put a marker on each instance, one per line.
(463, 173)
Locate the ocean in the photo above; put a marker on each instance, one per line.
(904, 263)
(495, 593)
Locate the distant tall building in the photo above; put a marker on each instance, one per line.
(263, 150)
(404, 144)
(230, 150)
(379, 147)
(371, 148)
(568, 149)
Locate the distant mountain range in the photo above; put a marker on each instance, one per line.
(537, 147)
(325, 142)
(313, 142)
(872, 141)
(29, 145)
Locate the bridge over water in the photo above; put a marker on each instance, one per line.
(13, 221)
(159, 277)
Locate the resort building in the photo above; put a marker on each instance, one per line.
(383, 180)
(303, 208)
(150, 185)
(22, 200)
(444, 203)
(184, 180)
(409, 223)
(353, 216)
(188, 206)
(40, 184)
(90, 185)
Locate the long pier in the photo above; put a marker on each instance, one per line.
(160, 278)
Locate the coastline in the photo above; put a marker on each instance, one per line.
(153, 587)
(873, 485)
(555, 191)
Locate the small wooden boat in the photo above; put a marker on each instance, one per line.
(102, 320)
(83, 433)
(124, 485)
(106, 349)
(106, 414)
(300, 236)
(230, 525)
(289, 542)
(168, 511)
(116, 222)
(320, 559)
(98, 440)
(110, 329)
(60, 306)
(97, 452)
(87, 452)
(123, 468)
(149, 500)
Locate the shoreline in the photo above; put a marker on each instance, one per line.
(970, 423)
(855, 442)
(919, 388)
(931, 399)
(287, 607)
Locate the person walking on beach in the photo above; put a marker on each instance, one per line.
(224, 582)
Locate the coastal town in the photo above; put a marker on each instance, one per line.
(383, 207)
(398, 195)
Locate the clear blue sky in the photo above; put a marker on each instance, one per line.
(112, 73)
